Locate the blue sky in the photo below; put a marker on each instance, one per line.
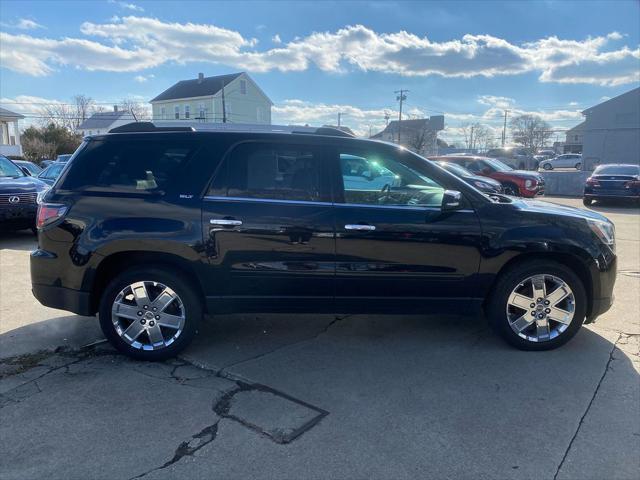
(468, 60)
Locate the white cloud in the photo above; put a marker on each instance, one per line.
(136, 43)
(23, 24)
(127, 6)
(143, 78)
(276, 39)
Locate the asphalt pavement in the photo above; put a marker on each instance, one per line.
(320, 396)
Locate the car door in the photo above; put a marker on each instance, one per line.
(269, 229)
(395, 247)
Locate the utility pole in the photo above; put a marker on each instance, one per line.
(400, 97)
(504, 128)
(387, 116)
(471, 139)
(339, 117)
(224, 106)
(369, 131)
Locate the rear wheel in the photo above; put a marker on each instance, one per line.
(578, 166)
(547, 166)
(538, 305)
(150, 313)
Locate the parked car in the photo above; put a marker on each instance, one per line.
(30, 167)
(64, 158)
(50, 174)
(566, 160)
(613, 181)
(514, 182)
(150, 227)
(45, 163)
(19, 195)
(484, 184)
(516, 157)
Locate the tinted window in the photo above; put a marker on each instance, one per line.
(9, 169)
(275, 172)
(618, 170)
(378, 179)
(52, 171)
(137, 166)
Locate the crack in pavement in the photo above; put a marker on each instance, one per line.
(337, 319)
(586, 412)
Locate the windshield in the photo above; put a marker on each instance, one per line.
(9, 169)
(456, 169)
(617, 170)
(497, 165)
(52, 171)
(63, 158)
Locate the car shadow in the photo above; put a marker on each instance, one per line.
(23, 240)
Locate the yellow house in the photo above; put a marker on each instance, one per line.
(233, 98)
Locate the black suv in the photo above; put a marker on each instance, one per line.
(151, 227)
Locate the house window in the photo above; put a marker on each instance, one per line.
(575, 138)
(187, 111)
(243, 87)
(176, 112)
(162, 113)
(202, 112)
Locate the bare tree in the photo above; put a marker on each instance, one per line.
(477, 136)
(69, 115)
(421, 140)
(530, 131)
(140, 111)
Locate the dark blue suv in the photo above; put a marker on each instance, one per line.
(18, 197)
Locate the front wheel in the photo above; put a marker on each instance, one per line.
(547, 166)
(510, 189)
(578, 166)
(149, 313)
(587, 201)
(538, 305)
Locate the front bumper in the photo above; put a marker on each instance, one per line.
(603, 277)
(18, 217)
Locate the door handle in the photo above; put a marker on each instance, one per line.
(227, 222)
(359, 227)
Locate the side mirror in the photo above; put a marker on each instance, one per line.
(451, 200)
(26, 171)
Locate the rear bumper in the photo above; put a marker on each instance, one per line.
(62, 298)
(622, 194)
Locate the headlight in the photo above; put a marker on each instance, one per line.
(481, 184)
(605, 231)
(41, 194)
(530, 184)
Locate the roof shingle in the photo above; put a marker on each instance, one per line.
(197, 88)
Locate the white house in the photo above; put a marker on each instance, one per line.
(611, 132)
(233, 98)
(102, 122)
(419, 135)
(573, 139)
(10, 133)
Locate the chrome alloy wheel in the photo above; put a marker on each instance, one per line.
(148, 315)
(540, 308)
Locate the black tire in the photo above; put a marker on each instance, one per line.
(511, 189)
(497, 304)
(179, 283)
(578, 166)
(587, 201)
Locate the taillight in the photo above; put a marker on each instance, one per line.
(592, 182)
(49, 212)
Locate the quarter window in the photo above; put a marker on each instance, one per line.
(140, 166)
(275, 172)
(378, 179)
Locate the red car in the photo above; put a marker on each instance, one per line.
(521, 183)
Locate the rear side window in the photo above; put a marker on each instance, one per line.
(271, 171)
(139, 165)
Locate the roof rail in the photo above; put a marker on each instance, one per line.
(184, 126)
(137, 127)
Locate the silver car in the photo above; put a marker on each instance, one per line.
(567, 160)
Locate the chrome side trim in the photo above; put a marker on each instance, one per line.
(359, 227)
(343, 205)
(225, 221)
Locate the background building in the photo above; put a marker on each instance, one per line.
(102, 122)
(612, 131)
(573, 140)
(419, 135)
(10, 133)
(233, 98)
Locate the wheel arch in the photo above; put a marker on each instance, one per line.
(567, 259)
(118, 262)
